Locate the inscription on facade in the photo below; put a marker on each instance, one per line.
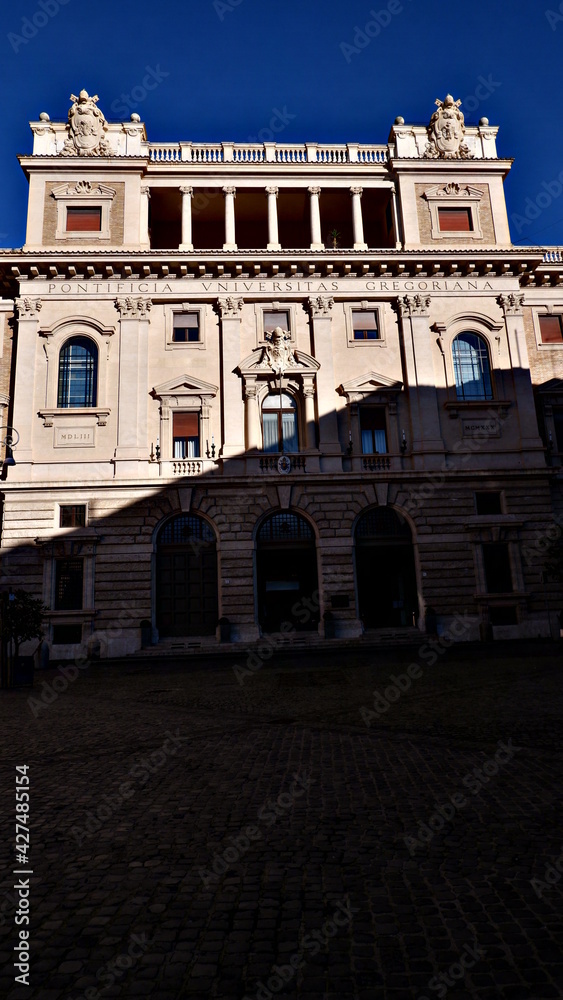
(74, 437)
(269, 286)
(476, 427)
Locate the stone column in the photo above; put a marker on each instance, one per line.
(512, 307)
(427, 445)
(232, 450)
(309, 396)
(329, 445)
(132, 431)
(25, 403)
(144, 236)
(230, 240)
(187, 243)
(316, 238)
(357, 220)
(251, 415)
(273, 237)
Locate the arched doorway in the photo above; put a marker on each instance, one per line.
(286, 567)
(186, 577)
(385, 571)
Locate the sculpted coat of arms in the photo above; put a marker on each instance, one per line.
(278, 355)
(446, 131)
(86, 128)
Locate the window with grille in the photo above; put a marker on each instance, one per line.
(72, 515)
(69, 584)
(286, 527)
(78, 373)
(184, 529)
(472, 369)
(185, 430)
(498, 574)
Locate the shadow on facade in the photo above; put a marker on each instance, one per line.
(220, 557)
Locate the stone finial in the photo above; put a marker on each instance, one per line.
(446, 130)
(87, 128)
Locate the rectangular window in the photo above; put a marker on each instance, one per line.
(455, 220)
(72, 515)
(503, 616)
(373, 430)
(558, 423)
(551, 329)
(488, 503)
(185, 430)
(69, 584)
(274, 319)
(364, 324)
(185, 328)
(67, 634)
(84, 220)
(498, 575)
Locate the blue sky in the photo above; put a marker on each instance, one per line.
(222, 69)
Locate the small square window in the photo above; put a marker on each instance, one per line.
(503, 616)
(72, 515)
(84, 220)
(69, 584)
(185, 328)
(67, 634)
(488, 503)
(364, 325)
(551, 329)
(273, 319)
(455, 220)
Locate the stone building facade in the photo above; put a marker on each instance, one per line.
(296, 390)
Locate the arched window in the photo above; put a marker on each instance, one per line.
(279, 423)
(78, 373)
(472, 368)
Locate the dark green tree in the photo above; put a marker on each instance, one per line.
(22, 618)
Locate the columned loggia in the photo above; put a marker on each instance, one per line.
(230, 237)
(315, 210)
(273, 236)
(187, 239)
(357, 219)
(144, 237)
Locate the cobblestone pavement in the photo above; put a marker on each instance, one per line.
(291, 834)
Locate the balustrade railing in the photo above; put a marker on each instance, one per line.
(376, 464)
(244, 152)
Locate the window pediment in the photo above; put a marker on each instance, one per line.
(184, 386)
(257, 364)
(363, 386)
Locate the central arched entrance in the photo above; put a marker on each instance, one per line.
(286, 569)
(186, 577)
(385, 570)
